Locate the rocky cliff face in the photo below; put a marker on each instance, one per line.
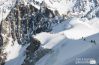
(25, 20)
(22, 22)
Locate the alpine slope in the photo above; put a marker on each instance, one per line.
(76, 37)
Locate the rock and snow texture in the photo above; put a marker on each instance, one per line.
(15, 53)
(68, 40)
(61, 5)
(69, 7)
(5, 7)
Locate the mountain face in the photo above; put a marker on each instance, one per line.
(79, 7)
(23, 21)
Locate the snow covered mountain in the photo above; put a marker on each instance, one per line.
(69, 44)
(49, 32)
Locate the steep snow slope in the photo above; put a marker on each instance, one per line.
(5, 7)
(68, 7)
(62, 6)
(69, 44)
(80, 29)
(15, 53)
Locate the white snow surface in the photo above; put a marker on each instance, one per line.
(69, 44)
(15, 53)
(62, 6)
